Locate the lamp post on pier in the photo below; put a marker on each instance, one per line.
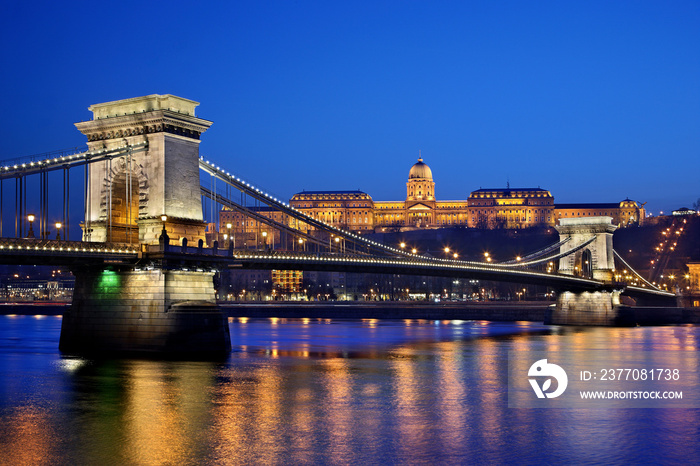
(164, 240)
(30, 233)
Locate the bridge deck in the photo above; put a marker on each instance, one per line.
(70, 253)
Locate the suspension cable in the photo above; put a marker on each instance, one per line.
(644, 280)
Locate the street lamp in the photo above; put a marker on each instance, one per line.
(264, 234)
(414, 250)
(30, 233)
(58, 230)
(164, 234)
(228, 227)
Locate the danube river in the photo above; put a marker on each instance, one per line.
(336, 392)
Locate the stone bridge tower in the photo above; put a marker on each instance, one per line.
(162, 307)
(596, 260)
(128, 195)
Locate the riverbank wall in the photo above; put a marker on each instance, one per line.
(497, 311)
(493, 311)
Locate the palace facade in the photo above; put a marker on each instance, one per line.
(485, 208)
(255, 226)
(512, 208)
(350, 210)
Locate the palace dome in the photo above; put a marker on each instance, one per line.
(420, 170)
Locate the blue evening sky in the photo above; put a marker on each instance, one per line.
(594, 100)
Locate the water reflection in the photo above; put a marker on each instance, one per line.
(27, 437)
(318, 391)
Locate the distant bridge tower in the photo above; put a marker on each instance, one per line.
(158, 306)
(596, 261)
(128, 195)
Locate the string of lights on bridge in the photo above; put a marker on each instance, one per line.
(54, 163)
(51, 246)
(417, 261)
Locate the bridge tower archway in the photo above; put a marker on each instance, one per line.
(125, 191)
(123, 211)
(586, 263)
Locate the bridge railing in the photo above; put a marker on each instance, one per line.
(43, 156)
(304, 256)
(230, 252)
(45, 246)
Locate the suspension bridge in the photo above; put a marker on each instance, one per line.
(145, 259)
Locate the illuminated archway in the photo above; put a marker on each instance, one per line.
(586, 264)
(124, 210)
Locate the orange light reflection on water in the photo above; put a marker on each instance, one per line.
(247, 425)
(409, 412)
(163, 408)
(337, 380)
(28, 437)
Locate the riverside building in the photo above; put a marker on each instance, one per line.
(495, 208)
(507, 207)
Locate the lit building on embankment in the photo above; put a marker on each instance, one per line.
(497, 208)
(511, 208)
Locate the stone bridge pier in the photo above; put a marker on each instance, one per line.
(140, 198)
(595, 261)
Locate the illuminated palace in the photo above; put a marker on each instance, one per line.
(485, 208)
(357, 211)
